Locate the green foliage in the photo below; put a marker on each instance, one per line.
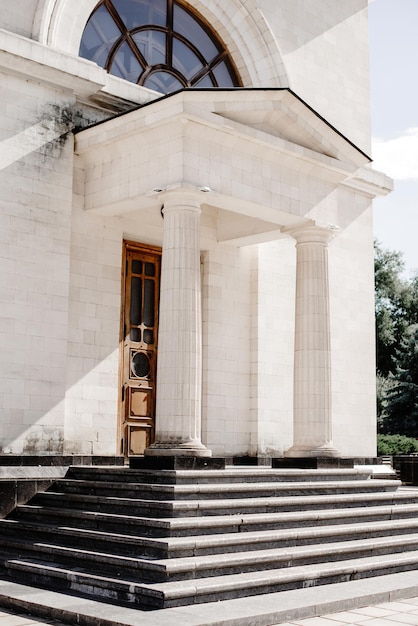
(382, 387)
(396, 444)
(397, 345)
(400, 402)
(391, 305)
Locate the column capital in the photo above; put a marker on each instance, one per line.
(181, 198)
(313, 232)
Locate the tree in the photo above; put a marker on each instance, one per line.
(400, 404)
(396, 345)
(391, 300)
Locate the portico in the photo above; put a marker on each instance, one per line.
(253, 160)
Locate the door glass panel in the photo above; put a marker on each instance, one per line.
(148, 336)
(149, 303)
(135, 334)
(136, 300)
(140, 365)
(149, 269)
(136, 267)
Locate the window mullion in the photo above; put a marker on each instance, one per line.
(170, 26)
(136, 51)
(208, 69)
(115, 16)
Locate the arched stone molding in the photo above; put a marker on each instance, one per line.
(42, 20)
(240, 24)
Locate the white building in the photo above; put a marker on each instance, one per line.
(228, 140)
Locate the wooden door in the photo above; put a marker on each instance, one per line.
(139, 330)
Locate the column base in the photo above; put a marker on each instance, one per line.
(327, 450)
(176, 463)
(306, 462)
(192, 448)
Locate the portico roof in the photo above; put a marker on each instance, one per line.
(266, 157)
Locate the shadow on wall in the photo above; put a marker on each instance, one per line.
(308, 10)
(35, 225)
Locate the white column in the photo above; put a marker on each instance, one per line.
(179, 364)
(312, 366)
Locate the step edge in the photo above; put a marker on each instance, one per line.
(294, 604)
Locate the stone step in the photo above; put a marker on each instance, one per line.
(199, 590)
(183, 526)
(175, 547)
(256, 474)
(197, 508)
(159, 539)
(155, 491)
(261, 610)
(139, 569)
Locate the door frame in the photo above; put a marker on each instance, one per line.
(129, 246)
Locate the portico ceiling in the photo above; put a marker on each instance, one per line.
(263, 155)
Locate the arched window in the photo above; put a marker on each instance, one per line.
(158, 44)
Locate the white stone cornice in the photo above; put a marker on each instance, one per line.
(274, 118)
(370, 182)
(35, 61)
(62, 71)
(233, 141)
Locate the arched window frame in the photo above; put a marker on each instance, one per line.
(209, 66)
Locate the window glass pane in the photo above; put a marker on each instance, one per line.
(152, 44)
(222, 75)
(186, 25)
(126, 65)
(140, 12)
(206, 81)
(99, 36)
(164, 82)
(149, 269)
(136, 301)
(185, 60)
(149, 296)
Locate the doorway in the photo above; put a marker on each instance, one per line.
(139, 336)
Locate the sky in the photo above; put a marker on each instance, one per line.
(394, 90)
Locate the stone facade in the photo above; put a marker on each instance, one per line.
(89, 160)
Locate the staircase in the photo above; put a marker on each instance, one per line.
(158, 539)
